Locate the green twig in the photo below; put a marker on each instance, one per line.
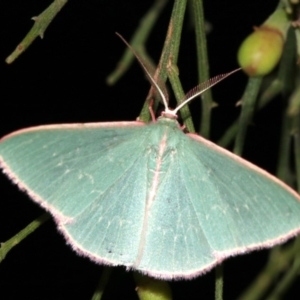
(20, 236)
(138, 41)
(266, 97)
(179, 94)
(41, 22)
(279, 259)
(287, 67)
(175, 29)
(293, 112)
(286, 75)
(297, 155)
(288, 278)
(219, 282)
(248, 105)
(102, 283)
(283, 165)
(176, 24)
(203, 66)
(170, 51)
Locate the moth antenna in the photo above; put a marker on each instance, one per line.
(161, 90)
(202, 87)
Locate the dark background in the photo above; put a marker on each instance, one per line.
(61, 79)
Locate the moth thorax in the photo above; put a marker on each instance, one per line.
(169, 114)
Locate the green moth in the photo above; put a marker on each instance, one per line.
(148, 196)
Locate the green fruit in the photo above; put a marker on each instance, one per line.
(261, 51)
(151, 289)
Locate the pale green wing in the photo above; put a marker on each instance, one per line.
(91, 178)
(211, 205)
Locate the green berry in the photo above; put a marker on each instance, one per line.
(261, 51)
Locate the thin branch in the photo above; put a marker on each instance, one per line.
(137, 42)
(297, 150)
(279, 259)
(170, 51)
(20, 236)
(174, 38)
(248, 105)
(287, 280)
(179, 94)
(219, 282)
(265, 98)
(203, 65)
(102, 283)
(41, 22)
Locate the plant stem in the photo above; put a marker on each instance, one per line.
(41, 22)
(248, 105)
(179, 94)
(296, 137)
(219, 282)
(203, 66)
(175, 27)
(279, 259)
(288, 278)
(102, 283)
(283, 166)
(266, 97)
(137, 42)
(170, 51)
(21, 235)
